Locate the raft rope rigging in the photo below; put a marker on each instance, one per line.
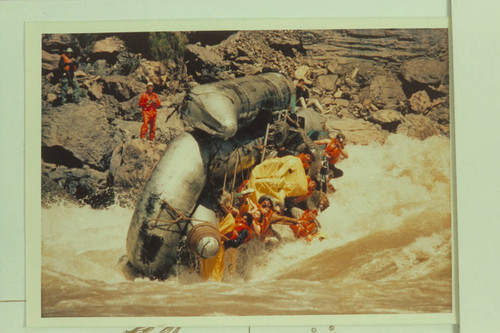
(167, 224)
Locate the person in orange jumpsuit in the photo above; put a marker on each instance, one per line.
(307, 226)
(149, 101)
(334, 152)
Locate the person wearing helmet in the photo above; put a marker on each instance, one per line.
(308, 226)
(68, 66)
(149, 101)
(333, 153)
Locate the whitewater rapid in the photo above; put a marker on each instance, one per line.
(388, 250)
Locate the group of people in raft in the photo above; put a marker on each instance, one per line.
(254, 220)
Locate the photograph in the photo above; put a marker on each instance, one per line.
(265, 166)
(276, 172)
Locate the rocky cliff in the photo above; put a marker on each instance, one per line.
(370, 82)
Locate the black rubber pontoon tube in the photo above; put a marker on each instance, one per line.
(221, 108)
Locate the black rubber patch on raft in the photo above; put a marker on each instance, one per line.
(150, 205)
(151, 244)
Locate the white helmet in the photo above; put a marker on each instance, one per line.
(69, 50)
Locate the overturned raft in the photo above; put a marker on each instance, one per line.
(221, 108)
(169, 214)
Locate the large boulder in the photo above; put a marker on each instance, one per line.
(122, 87)
(204, 64)
(357, 131)
(301, 72)
(77, 135)
(168, 124)
(108, 49)
(130, 110)
(420, 102)
(327, 82)
(132, 164)
(125, 130)
(387, 89)
(387, 119)
(289, 46)
(424, 71)
(57, 43)
(95, 90)
(50, 62)
(418, 126)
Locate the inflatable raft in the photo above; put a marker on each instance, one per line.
(173, 216)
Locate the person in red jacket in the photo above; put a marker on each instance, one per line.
(149, 101)
(68, 66)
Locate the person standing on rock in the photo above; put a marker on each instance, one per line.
(149, 101)
(68, 66)
(303, 97)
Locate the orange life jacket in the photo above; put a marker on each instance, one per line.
(67, 60)
(306, 161)
(333, 152)
(240, 226)
(305, 228)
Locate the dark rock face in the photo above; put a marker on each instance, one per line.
(370, 83)
(88, 185)
(84, 134)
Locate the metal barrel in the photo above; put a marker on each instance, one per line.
(203, 237)
(221, 108)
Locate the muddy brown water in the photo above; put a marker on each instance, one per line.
(388, 251)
